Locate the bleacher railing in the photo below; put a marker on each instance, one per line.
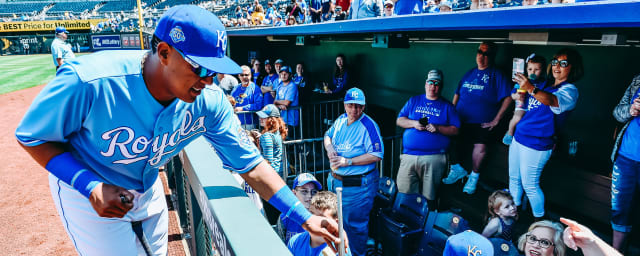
(215, 213)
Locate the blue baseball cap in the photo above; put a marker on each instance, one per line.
(61, 29)
(269, 111)
(279, 61)
(468, 243)
(503, 247)
(354, 95)
(199, 35)
(285, 68)
(305, 178)
(267, 62)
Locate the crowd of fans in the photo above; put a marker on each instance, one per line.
(315, 11)
(545, 94)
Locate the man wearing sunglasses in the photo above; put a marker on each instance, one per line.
(429, 121)
(481, 100)
(109, 120)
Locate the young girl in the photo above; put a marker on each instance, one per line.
(535, 71)
(502, 214)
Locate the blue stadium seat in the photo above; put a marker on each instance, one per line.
(402, 227)
(387, 191)
(503, 247)
(438, 228)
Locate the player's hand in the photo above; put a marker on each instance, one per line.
(431, 128)
(328, 229)
(111, 201)
(489, 125)
(576, 235)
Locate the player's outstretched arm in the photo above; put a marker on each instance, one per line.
(264, 180)
(107, 200)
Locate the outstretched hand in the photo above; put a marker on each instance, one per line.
(111, 201)
(327, 228)
(577, 235)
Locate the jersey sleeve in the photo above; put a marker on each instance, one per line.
(567, 98)
(292, 93)
(408, 107)
(225, 134)
(256, 100)
(373, 141)
(58, 111)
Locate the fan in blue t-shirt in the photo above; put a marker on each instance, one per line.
(481, 100)
(429, 121)
(536, 73)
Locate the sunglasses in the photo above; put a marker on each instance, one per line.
(434, 82)
(200, 71)
(244, 74)
(563, 63)
(544, 243)
(483, 53)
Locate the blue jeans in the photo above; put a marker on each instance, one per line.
(356, 205)
(625, 181)
(525, 167)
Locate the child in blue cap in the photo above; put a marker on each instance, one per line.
(305, 186)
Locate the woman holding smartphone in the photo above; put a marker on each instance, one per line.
(548, 108)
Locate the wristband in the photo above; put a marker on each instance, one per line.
(286, 202)
(66, 168)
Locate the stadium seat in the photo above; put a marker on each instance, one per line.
(438, 228)
(402, 227)
(503, 247)
(385, 196)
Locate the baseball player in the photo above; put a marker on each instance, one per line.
(120, 115)
(60, 50)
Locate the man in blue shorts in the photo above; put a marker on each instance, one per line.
(354, 146)
(481, 100)
(121, 115)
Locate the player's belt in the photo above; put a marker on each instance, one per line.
(351, 180)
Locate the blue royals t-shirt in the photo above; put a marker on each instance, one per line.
(403, 7)
(631, 137)
(300, 245)
(269, 80)
(481, 92)
(439, 112)
(291, 228)
(289, 92)
(355, 139)
(541, 122)
(249, 98)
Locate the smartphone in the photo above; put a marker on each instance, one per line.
(518, 67)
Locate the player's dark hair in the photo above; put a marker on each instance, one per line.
(154, 44)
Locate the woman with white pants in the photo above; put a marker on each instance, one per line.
(533, 141)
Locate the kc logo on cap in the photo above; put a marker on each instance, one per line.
(222, 39)
(177, 35)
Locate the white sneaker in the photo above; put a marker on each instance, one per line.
(470, 186)
(456, 173)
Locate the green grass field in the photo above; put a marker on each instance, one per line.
(18, 72)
